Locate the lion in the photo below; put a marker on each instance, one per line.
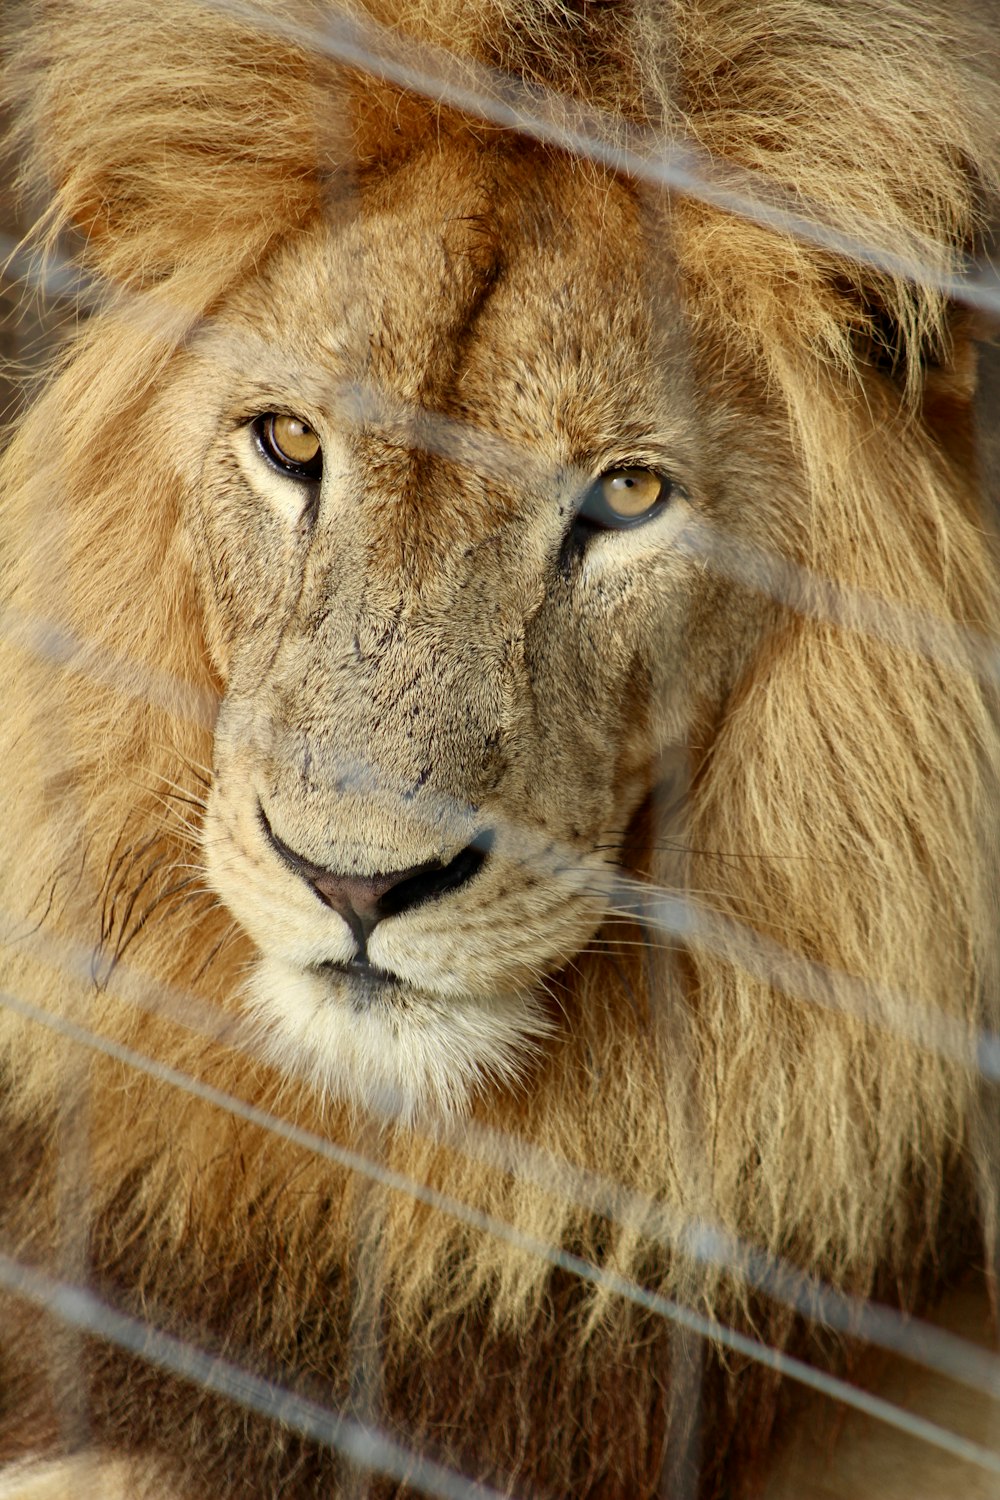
(500, 764)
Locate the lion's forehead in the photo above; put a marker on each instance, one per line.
(512, 301)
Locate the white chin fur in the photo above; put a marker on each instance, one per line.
(418, 1054)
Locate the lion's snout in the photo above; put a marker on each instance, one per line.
(363, 901)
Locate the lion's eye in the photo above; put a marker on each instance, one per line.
(622, 498)
(291, 444)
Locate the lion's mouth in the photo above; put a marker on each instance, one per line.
(362, 984)
(370, 1035)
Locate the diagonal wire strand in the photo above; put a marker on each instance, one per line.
(704, 1327)
(508, 101)
(880, 1326)
(73, 653)
(805, 979)
(366, 1446)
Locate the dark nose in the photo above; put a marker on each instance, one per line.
(365, 900)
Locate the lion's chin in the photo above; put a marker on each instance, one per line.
(386, 1046)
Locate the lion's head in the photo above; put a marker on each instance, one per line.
(521, 645)
(444, 539)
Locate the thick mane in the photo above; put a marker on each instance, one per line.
(796, 1068)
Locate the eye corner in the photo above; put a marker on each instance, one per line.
(289, 444)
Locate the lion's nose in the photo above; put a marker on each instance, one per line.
(365, 900)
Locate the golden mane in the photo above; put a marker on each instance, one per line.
(789, 1063)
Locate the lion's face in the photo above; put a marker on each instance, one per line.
(452, 661)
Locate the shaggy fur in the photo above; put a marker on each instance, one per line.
(776, 699)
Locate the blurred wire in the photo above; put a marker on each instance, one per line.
(706, 1243)
(508, 101)
(705, 1327)
(365, 1446)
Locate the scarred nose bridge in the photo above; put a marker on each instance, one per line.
(426, 652)
(396, 714)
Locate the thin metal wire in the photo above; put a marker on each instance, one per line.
(620, 1286)
(71, 652)
(508, 101)
(707, 1243)
(882, 1327)
(366, 1446)
(56, 279)
(801, 978)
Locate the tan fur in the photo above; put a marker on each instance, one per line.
(838, 1455)
(776, 699)
(80, 1479)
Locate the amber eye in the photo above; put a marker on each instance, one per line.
(624, 497)
(291, 444)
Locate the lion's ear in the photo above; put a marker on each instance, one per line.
(169, 133)
(951, 391)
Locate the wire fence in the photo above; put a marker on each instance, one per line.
(661, 916)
